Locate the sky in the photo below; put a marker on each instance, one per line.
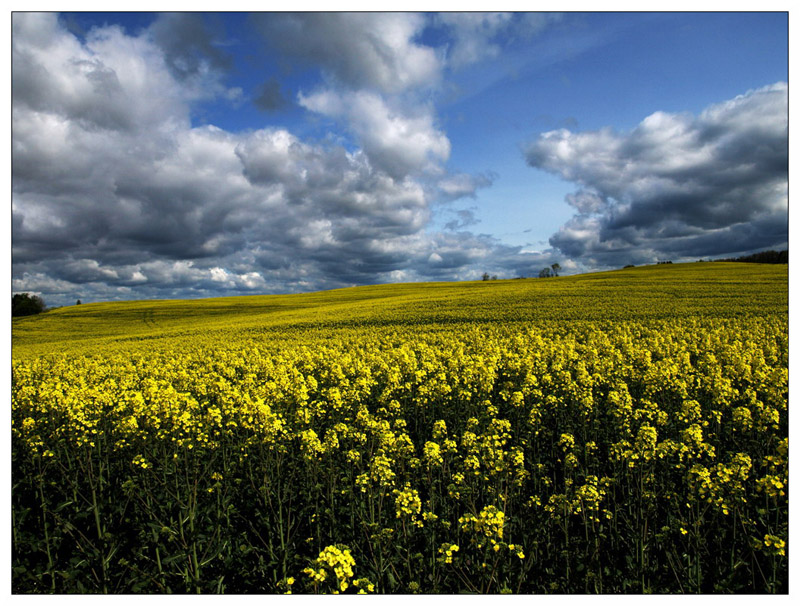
(186, 155)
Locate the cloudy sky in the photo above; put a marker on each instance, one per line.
(167, 155)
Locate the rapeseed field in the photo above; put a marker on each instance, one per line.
(618, 432)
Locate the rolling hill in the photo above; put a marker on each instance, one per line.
(657, 291)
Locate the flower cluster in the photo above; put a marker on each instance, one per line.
(336, 560)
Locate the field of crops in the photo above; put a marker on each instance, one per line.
(620, 432)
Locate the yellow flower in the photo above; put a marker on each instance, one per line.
(407, 502)
(775, 545)
(567, 441)
(447, 550)
(489, 522)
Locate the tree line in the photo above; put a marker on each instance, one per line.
(767, 256)
(547, 272)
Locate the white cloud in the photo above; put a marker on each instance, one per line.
(113, 82)
(398, 142)
(359, 50)
(677, 186)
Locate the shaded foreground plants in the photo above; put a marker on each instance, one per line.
(588, 456)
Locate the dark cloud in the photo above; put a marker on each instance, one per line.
(359, 50)
(190, 43)
(269, 97)
(677, 186)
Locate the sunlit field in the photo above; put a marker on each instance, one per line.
(618, 432)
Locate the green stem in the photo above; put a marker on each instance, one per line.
(50, 563)
(98, 524)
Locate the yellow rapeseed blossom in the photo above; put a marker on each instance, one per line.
(333, 559)
(407, 502)
(774, 545)
(489, 522)
(674, 422)
(447, 551)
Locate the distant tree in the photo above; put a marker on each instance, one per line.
(767, 256)
(494, 277)
(24, 304)
(629, 266)
(485, 276)
(545, 273)
(556, 268)
(78, 302)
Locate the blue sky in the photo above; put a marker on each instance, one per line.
(189, 155)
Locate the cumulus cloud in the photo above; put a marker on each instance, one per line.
(113, 82)
(677, 186)
(116, 195)
(189, 45)
(359, 50)
(398, 141)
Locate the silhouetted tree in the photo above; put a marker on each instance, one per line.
(767, 256)
(24, 304)
(556, 268)
(545, 273)
(78, 302)
(485, 276)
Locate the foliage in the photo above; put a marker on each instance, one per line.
(767, 256)
(417, 447)
(24, 304)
